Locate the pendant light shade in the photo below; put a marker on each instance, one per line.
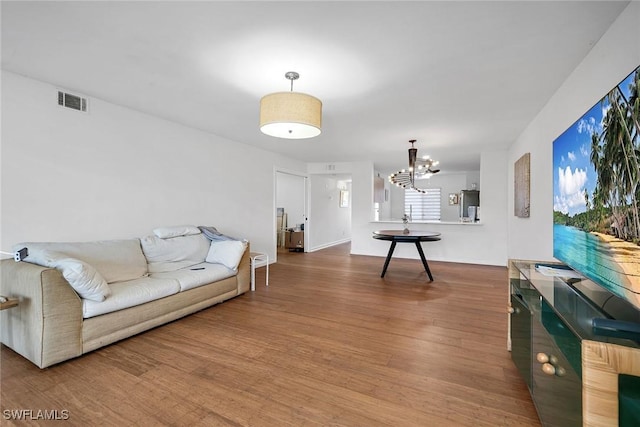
(290, 115)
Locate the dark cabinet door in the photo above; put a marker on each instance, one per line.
(521, 338)
(557, 387)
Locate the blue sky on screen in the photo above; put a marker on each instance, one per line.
(572, 168)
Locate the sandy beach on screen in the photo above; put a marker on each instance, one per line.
(627, 256)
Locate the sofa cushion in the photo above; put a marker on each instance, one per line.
(174, 253)
(83, 278)
(197, 275)
(115, 260)
(130, 293)
(175, 231)
(226, 252)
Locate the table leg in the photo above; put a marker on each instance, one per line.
(386, 262)
(253, 274)
(424, 260)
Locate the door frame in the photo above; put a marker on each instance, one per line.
(306, 205)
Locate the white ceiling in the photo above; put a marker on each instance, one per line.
(457, 76)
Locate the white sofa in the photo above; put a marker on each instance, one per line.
(129, 286)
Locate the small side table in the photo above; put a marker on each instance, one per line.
(11, 302)
(258, 259)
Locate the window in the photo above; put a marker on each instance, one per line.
(422, 206)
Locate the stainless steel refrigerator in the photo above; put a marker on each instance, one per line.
(469, 198)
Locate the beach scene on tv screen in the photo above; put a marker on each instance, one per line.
(596, 190)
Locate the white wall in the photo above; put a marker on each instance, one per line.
(329, 224)
(484, 243)
(362, 211)
(117, 173)
(493, 206)
(612, 58)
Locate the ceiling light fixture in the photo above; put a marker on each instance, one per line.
(291, 115)
(417, 168)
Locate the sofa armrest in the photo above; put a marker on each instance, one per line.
(46, 326)
(244, 272)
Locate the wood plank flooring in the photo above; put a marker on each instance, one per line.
(328, 343)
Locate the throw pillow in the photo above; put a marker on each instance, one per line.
(226, 252)
(176, 231)
(83, 278)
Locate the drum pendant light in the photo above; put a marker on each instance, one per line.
(290, 115)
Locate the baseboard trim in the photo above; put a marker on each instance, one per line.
(328, 245)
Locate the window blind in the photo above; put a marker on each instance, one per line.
(422, 206)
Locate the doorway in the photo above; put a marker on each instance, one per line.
(291, 218)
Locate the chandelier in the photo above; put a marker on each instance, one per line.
(290, 115)
(418, 168)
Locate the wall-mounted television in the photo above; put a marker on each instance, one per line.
(596, 192)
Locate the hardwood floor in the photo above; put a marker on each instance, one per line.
(327, 343)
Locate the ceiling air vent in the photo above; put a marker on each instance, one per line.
(74, 102)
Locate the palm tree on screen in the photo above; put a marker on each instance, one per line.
(614, 155)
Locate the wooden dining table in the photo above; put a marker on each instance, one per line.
(407, 236)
